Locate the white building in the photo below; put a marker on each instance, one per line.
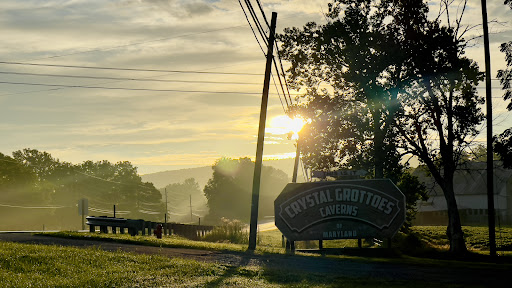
(470, 184)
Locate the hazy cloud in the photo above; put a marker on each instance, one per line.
(148, 127)
(181, 8)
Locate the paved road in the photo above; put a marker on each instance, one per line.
(479, 275)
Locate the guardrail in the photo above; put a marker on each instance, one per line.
(193, 232)
(139, 226)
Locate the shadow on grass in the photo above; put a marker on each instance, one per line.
(232, 270)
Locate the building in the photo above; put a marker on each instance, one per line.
(470, 184)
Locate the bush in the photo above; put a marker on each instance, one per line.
(232, 231)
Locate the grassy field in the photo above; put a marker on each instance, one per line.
(477, 238)
(430, 237)
(29, 265)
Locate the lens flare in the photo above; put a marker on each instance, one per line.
(285, 125)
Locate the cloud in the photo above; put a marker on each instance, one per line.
(180, 8)
(198, 35)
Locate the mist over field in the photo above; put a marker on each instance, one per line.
(40, 192)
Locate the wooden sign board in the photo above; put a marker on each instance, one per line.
(348, 209)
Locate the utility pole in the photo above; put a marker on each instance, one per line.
(165, 215)
(490, 154)
(296, 164)
(191, 208)
(261, 137)
(291, 244)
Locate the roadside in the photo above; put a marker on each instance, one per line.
(474, 275)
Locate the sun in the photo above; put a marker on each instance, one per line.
(284, 125)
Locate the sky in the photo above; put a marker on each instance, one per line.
(181, 120)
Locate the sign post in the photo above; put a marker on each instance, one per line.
(351, 209)
(83, 209)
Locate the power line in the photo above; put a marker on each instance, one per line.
(252, 29)
(256, 21)
(128, 89)
(129, 69)
(275, 63)
(34, 207)
(283, 72)
(277, 90)
(263, 13)
(61, 88)
(262, 35)
(127, 78)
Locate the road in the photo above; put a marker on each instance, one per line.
(476, 275)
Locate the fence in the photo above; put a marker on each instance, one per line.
(136, 227)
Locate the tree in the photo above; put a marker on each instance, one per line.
(229, 190)
(353, 69)
(380, 80)
(440, 111)
(347, 67)
(180, 196)
(50, 173)
(108, 184)
(14, 176)
(503, 142)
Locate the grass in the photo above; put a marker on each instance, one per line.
(421, 241)
(23, 265)
(232, 231)
(477, 238)
(166, 241)
(29, 265)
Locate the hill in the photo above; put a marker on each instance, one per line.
(203, 174)
(164, 178)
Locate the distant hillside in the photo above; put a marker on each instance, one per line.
(286, 165)
(203, 174)
(164, 178)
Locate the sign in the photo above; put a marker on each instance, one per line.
(347, 209)
(83, 207)
(346, 174)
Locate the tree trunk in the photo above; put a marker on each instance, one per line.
(378, 147)
(454, 229)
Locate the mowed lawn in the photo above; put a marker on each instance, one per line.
(31, 265)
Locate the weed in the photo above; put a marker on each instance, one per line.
(231, 231)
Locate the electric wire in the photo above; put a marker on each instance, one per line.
(129, 69)
(258, 24)
(263, 12)
(126, 78)
(252, 29)
(256, 21)
(128, 89)
(254, 17)
(278, 56)
(34, 207)
(277, 90)
(280, 82)
(283, 72)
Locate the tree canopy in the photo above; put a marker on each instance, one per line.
(181, 196)
(32, 178)
(382, 81)
(503, 142)
(230, 188)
